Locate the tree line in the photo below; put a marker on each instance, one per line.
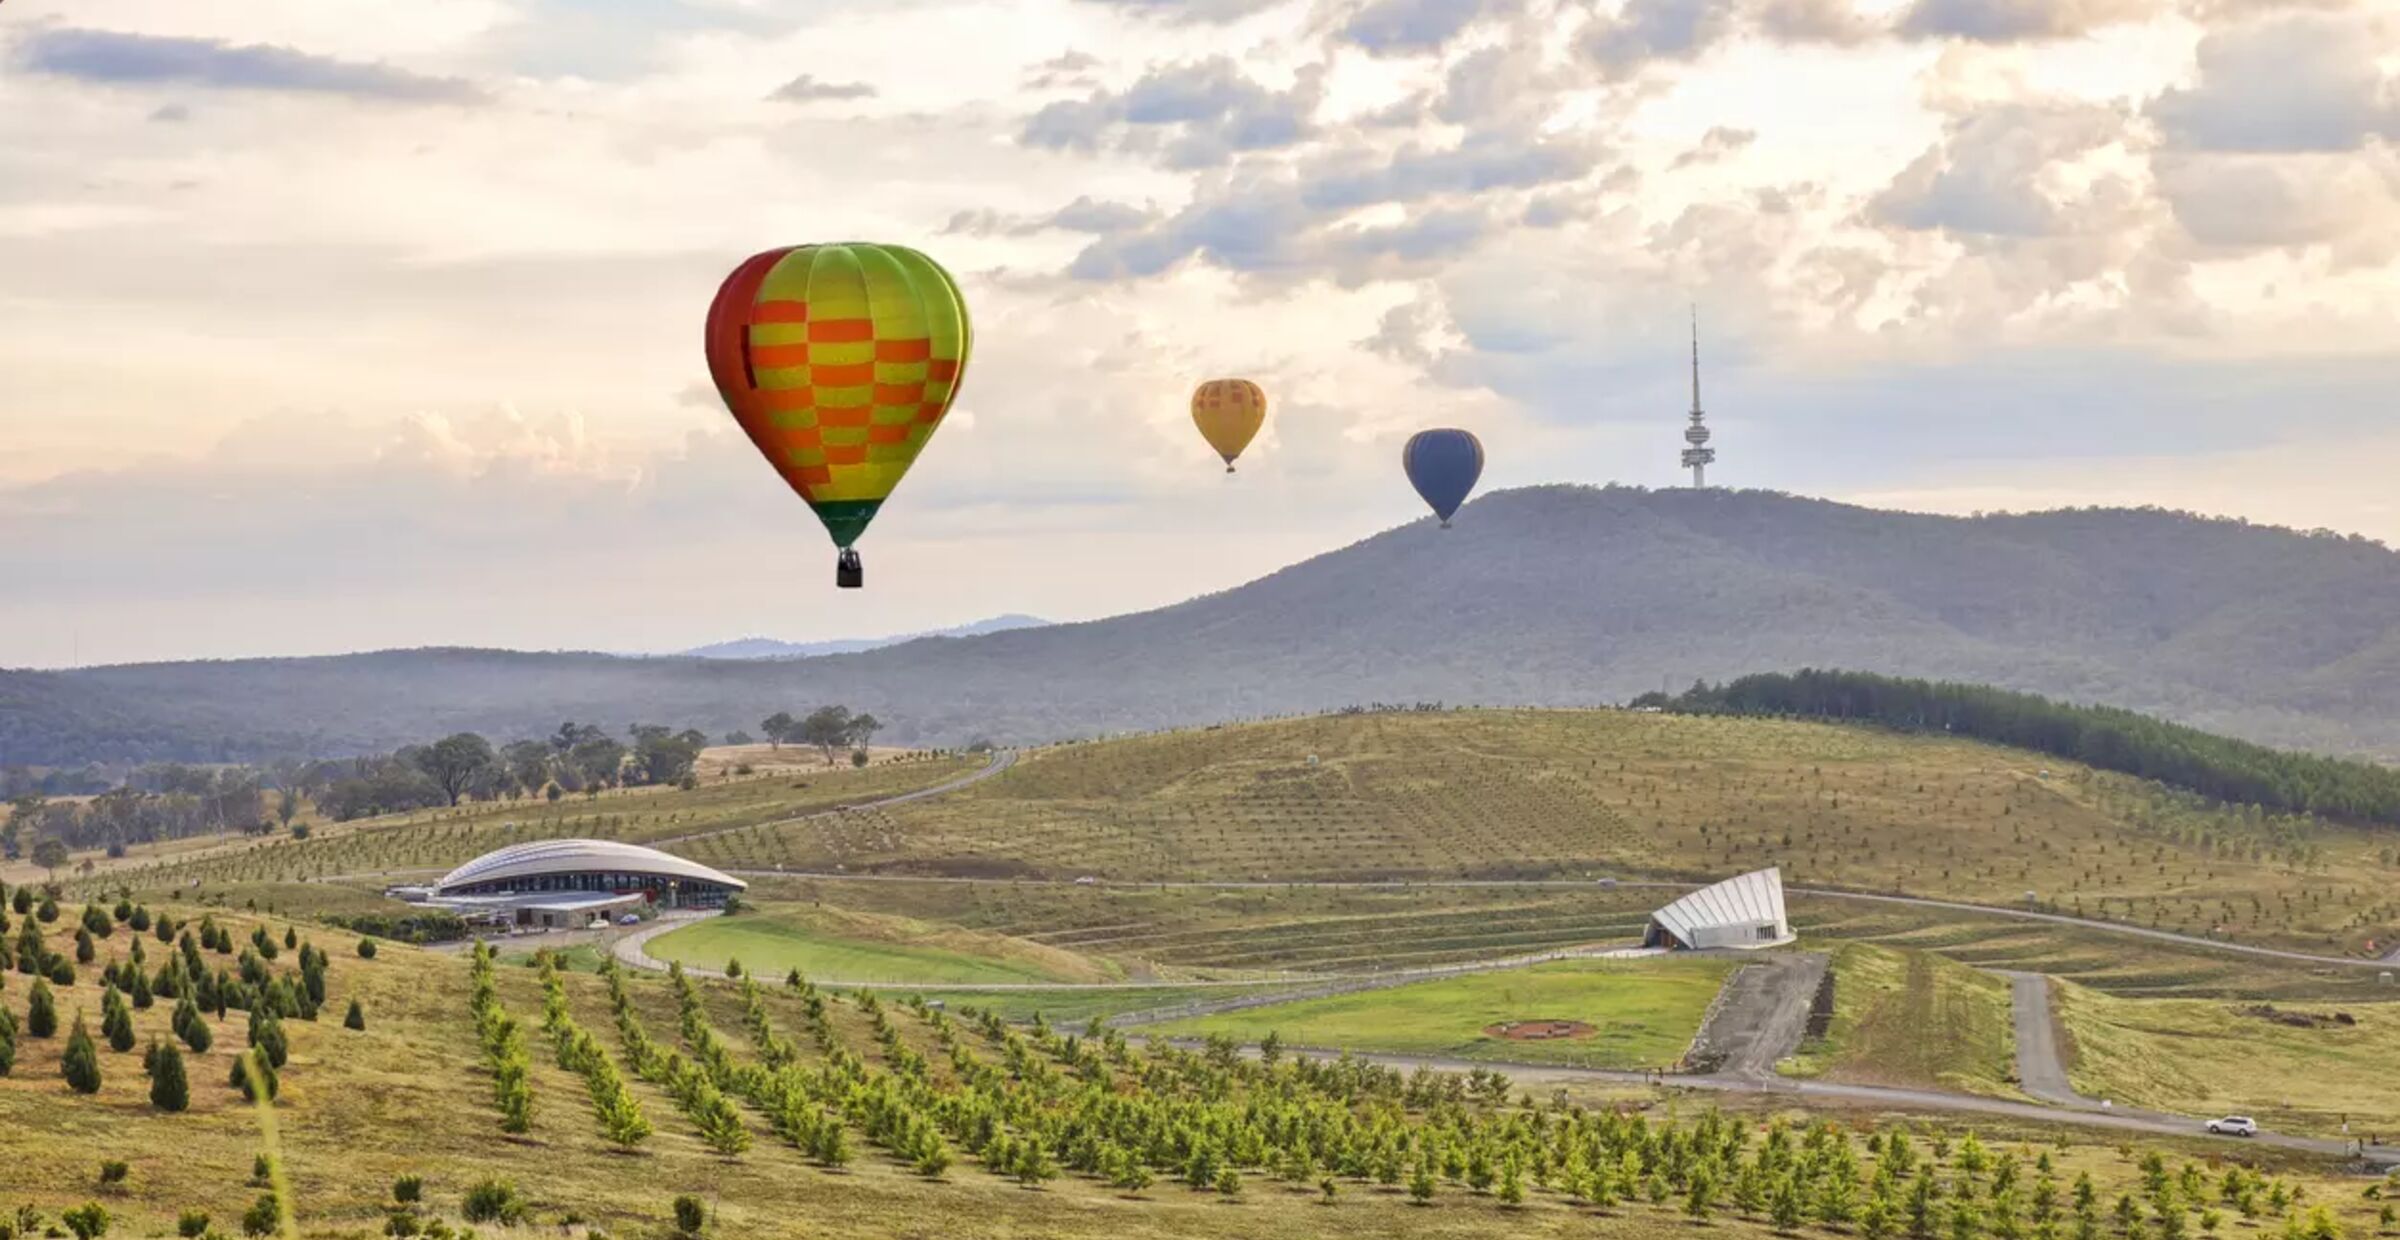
(827, 728)
(2106, 737)
(170, 801)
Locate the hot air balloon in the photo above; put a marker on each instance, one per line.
(839, 361)
(1443, 465)
(1228, 413)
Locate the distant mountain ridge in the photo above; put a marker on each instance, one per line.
(770, 648)
(1541, 596)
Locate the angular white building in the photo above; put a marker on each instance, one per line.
(1744, 911)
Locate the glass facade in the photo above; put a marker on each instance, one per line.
(657, 888)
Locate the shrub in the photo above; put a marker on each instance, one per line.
(263, 1217)
(88, 1221)
(690, 1215)
(113, 1172)
(356, 1018)
(408, 1188)
(494, 1201)
(191, 1224)
(366, 949)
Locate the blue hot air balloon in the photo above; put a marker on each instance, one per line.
(1443, 465)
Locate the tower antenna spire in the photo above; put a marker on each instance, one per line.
(1698, 456)
(1695, 359)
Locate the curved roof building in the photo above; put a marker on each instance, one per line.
(1744, 911)
(591, 866)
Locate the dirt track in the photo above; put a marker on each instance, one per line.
(1759, 1017)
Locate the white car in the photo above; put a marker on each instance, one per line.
(2234, 1126)
(1087, 881)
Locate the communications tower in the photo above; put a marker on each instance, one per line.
(1699, 455)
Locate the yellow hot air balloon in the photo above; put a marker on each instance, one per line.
(839, 361)
(1229, 413)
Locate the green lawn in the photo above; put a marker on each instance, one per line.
(1645, 1012)
(774, 946)
(1074, 1006)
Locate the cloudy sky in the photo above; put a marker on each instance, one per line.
(329, 325)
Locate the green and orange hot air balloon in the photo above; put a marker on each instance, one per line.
(1229, 413)
(839, 362)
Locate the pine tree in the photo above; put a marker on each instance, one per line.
(81, 1063)
(41, 1011)
(1786, 1207)
(250, 1066)
(170, 1089)
(1966, 1222)
(356, 1017)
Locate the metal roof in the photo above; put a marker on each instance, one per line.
(578, 856)
(1745, 899)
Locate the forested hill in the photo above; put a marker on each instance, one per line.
(1551, 595)
(2102, 736)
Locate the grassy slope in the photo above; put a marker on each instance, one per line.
(2199, 1057)
(1645, 1011)
(1580, 793)
(859, 947)
(1913, 1018)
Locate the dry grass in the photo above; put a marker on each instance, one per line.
(1495, 794)
(1912, 1018)
(2202, 1057)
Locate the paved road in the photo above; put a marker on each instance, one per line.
(2041, 1070)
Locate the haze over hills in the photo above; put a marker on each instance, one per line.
(770, 648)
(1549, 595)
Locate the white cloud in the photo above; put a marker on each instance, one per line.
(288, 324)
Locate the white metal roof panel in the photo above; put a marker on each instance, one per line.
(540, 857)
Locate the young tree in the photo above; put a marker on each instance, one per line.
(81, 1063)
(41, 1010)
(170, 1089)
